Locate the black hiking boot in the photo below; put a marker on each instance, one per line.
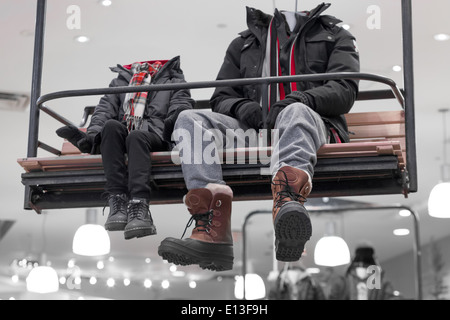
(140, 222)
(117, 218)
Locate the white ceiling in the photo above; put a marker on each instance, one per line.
(199, 31)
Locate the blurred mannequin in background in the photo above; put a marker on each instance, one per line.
(364, 279)
(294, 283)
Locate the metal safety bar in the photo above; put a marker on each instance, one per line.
(416, 245)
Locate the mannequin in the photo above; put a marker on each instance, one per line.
(293, 282)
(364, 279)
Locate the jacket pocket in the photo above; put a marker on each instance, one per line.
(318, 49)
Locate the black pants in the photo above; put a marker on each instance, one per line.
(116, 143)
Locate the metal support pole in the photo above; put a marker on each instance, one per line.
(408, 66)
(244, 244)
(36, 83)
(416, 245)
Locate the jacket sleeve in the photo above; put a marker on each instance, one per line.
(107, 108)
(336, 97)
(180, 99)
(225, 98)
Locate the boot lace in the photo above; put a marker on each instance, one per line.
(118, 201)
(286, 192)
(136, 209)
(202, 222)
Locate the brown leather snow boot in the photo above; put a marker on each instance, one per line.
(291, 220)
(211, 243)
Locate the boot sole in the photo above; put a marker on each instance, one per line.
(115, 226)
(139, 233)
(209, 256)
(292, 230)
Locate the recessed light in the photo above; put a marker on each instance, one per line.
(401, 232)
(442, 37)
(404, 213)
(397, 68)
(346, 27)
(106, 3)
(82, 39)
(313, 270)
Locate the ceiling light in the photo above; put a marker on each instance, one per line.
(100, 265)
(192, 284)
(148, 283)
(82, 39)
(404, 213)
(397, 68)
(91, 239)
(331, 250)
(126, 282)
(110, 282)
(442, 37)
(92, 280)
(254, 287)
(437, 202)
(43, 280)
(15, 278)
(346, 27)
(106, 3)
(71, 263)
(313, 270)
(165, 284)
(179, 274)
(401, 232)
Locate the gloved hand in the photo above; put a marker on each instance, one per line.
(169, 123)
(249, 113)
(275, 111)
(79, 139)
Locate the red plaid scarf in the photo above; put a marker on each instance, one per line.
(135, 102)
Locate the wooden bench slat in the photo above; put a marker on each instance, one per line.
(378, 131)
(373, 118)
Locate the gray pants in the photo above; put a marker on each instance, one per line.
(199, 134)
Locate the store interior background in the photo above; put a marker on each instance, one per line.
(200, 31)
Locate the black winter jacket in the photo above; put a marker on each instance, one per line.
(323, 47)
(160, 104)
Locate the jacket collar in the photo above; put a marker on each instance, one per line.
(258, 20)
(125, 71)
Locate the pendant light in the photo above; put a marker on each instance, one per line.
(43, 279)
(331, 250)
(91, 239)
(255, 289)
(437, 201)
